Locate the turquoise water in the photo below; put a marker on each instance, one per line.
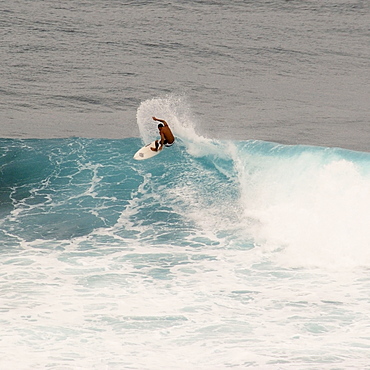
(65, 188)
(240, 253)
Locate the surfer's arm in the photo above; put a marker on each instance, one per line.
(161, 142)
(160, 120)
(157, 147)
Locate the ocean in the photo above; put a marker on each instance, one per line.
(244, 245)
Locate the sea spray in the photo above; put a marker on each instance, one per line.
(172, 108)
(176, 111)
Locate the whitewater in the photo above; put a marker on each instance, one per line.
(213, 254)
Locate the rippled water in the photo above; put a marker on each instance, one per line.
(291, 72)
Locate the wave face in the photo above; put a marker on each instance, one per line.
(242, 253)
(306, 201)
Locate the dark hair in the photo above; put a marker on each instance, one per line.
(160, 125)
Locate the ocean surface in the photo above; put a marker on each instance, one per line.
(245, 245)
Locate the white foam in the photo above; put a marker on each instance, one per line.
(318, 212)
(176, 111)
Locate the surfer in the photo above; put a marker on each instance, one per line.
(167, 138)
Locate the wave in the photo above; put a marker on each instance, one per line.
(296, 205)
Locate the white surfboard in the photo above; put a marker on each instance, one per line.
(145, 152)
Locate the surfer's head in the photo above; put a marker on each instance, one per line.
(160, 125)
